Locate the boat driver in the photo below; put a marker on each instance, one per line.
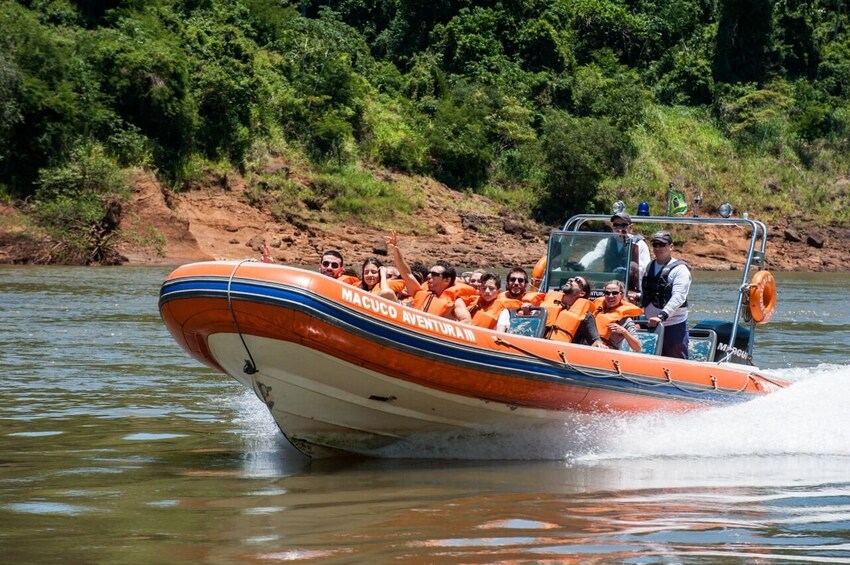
(666, 285)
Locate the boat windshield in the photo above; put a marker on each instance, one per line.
(598, 256)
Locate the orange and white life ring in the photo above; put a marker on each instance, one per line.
(762, 297)
(537, 273)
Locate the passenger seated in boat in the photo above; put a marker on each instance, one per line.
(568, 314)
(465, 292)
(436, 296)
(487, 311)
(613, 317)
(420, 273)
(374, 280)
(332, 265)
(516, 288)
(475, 279)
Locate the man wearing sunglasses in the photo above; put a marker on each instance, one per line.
(516, 292)
(611, 250)
(331, 266)
(666, 285)
(516, 288)
(516, 284)
(570, 318)
(436, 296)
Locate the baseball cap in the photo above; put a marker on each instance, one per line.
(662, 236)
(622, 216)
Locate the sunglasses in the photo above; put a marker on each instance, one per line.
(659, 244)
(516, 279)
(330, 265)
(436, 274)
(610, 292)
(580, 282)
(620, 226)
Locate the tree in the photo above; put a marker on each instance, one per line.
(744, 41)
(144, 72)
(460, 148)
(10, 112)
(54, 93)
(579, 154)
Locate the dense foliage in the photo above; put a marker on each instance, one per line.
(552, 106)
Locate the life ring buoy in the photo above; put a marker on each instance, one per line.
(537, 273)
(762, 297)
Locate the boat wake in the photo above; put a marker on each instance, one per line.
(807, 418)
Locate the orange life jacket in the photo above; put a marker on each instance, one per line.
(538, 272)
(567, 320)
(465, 292)
(487, 316)
(396, 285)
(552, 304)
(603, 319)
(348, 279)
(427, 301)
(534, 298)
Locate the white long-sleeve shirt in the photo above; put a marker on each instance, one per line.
(598, 253)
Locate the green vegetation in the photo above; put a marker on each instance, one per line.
(549, 107)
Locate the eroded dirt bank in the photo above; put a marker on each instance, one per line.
(467, 230)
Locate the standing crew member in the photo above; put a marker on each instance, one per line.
(611, 251)
(666, 285)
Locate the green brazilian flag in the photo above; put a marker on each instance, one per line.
(677, 206)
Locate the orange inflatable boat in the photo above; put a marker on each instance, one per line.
(345, 371)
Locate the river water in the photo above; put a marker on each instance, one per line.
(117, 447)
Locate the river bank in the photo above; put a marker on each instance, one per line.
(220, 221)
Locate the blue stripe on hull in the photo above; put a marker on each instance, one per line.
(389, 335)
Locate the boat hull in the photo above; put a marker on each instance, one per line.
(344, 371)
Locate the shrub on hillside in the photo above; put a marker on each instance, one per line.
(610, 90)
(757, 118)
(79, 205)
(579, 154)
(459, 147)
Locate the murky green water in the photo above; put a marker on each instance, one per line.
(116, 447)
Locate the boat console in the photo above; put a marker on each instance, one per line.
(601, 256)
